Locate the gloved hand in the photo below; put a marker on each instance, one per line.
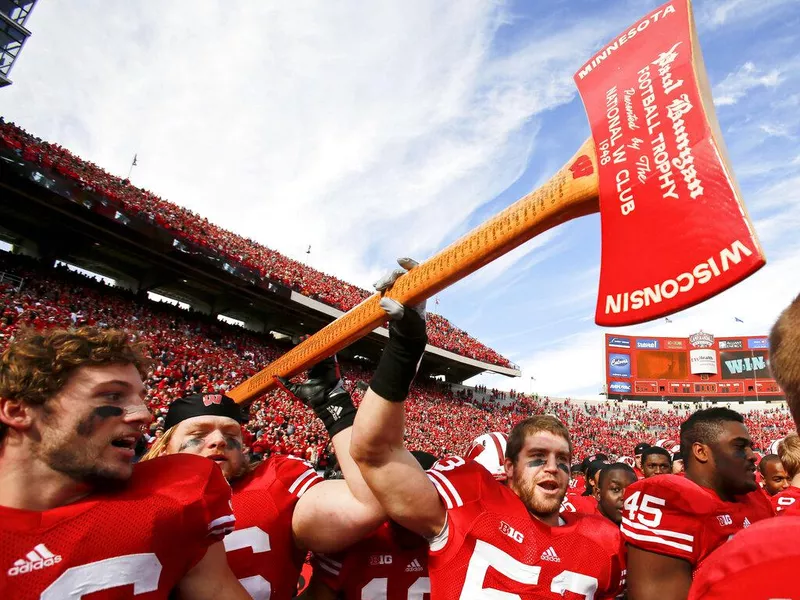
(407, 338)
(324, 393)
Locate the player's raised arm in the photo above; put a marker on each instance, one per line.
(333, 515)
(393, 474)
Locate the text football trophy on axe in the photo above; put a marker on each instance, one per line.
(675, 231)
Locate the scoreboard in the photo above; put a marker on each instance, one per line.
(699, 367)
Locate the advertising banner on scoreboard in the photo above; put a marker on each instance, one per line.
(619, 387)
(731, 344)
(745, 365)
(619, 365)
(754, 343)
(703, 362)
(616, 341)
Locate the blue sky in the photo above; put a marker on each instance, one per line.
(372, 130)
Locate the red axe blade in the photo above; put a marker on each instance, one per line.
(674, 228)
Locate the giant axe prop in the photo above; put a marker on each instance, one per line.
(674, 228)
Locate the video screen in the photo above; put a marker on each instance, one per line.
(662, 365)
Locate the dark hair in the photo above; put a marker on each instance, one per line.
(656, 450)
(768, 458)
(591, 470)
(705, 426)
(530, 426)
(614, 467)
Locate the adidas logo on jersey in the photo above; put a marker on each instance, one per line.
(414, 566)
(746, 523)
(35, 560)
(336, 412)
(550, 555)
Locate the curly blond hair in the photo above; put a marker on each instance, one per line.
(37, 364)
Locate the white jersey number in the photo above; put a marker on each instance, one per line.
(257, 540)
(641, 511)
(486, 555)
(378, 589)
(140, 570)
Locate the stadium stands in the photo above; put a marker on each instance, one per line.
(194, 229)
(195, 353)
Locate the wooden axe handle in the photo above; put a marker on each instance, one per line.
(572, 192)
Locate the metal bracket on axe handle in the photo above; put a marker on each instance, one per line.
(674, 228)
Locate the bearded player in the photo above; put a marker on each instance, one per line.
(392, 564)
(671, 524)
(77, 519)
(283, 507)
(761, 562)
(486, 539)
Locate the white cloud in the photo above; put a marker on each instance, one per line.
(776, 130)
(716, 13)
(736, 85)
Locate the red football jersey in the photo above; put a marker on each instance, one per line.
(674, 516)
(579, 503)
(757, 564)
(135, 543)
(577, 484)
(639, 473)
(491, 542)
(261, 551)
(787, 501)
(390, 564)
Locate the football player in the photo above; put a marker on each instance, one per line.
(637, 456)
(774, 475)
(283, 507)
(787, 501)
(655, 461)
(612, 483)
(77, 519)
(392, 563)
(486, 539)
(677, 463)
(671, 524)
(759, 562)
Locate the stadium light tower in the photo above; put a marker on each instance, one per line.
(13, 34)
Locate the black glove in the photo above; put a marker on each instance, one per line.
(324, 393)
(407, 339)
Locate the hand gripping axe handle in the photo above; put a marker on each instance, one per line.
(675, 231)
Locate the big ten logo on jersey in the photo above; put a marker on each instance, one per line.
(380, 559)
(724, 520)
(508, 530)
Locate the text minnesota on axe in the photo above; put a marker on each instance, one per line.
(662, 158)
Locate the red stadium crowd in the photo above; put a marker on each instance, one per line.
(197, 354)
(192, 228)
